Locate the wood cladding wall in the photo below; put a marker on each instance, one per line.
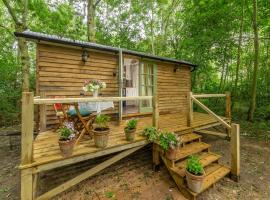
(61, 72)
(173, 88)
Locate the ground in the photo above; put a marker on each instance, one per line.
(133, 178)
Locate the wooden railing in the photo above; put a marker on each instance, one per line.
(233, 130)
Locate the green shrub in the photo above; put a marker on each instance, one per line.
(151, 133)
(101, 121)
(194, 166)
(132, 124)
(67, 131)
(168, 140)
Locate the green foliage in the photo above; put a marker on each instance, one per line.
(194, 166)
(109, 194)
(101, 121)
(132, 124)
(151, 133)
(168, 140)
(67, 131)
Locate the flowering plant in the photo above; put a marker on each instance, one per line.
(169, 140)
(93, 85)
(67, 131)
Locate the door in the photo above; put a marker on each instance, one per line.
(147, 84)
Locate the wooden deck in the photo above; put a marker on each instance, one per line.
(47, 154)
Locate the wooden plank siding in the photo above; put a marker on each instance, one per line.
(173, 88)
(61, 72)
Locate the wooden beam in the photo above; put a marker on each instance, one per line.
(42, 113)
(38, 167)
(155, 112)
(27, 128)
(228, 110)
(208, 95)
(87, 174)
(235, 152)
(190, 110)
(89, 99)
(120, 84)
(26, 184)
(155, 156)
(211, 112)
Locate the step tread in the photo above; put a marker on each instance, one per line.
(191, 149)
(214, 173)
(206, 158)
(190, 137)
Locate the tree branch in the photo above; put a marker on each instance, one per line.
(11, 12)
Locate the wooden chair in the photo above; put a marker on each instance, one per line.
(82, 122)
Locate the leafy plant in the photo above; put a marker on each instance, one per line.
(151, 133)
(109, 194)
(168, 140)
(101, 121)
(67, 131)
(194, 166)
(132, 124)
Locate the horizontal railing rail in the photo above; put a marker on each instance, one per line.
(208, 95)
(38, 100)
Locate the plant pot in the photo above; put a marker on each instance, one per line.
(195, 182)
(171, 153)
(66, 147)
(130, 134)
(95, 93)
(101, 137)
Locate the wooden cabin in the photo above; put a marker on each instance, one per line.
(156, 90)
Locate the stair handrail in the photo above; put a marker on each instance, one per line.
(193, 99)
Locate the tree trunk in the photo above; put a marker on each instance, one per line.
(256, 64)
(91, 24)
(239, 50)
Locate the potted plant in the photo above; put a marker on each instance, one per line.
(130, 129)
(101, 131)
(170, 144)
(67, 138)
(94, 86)
(151, 133)
(195, 174)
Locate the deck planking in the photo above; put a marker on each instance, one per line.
(46, 148)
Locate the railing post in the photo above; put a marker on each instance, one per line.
(235, 152)
(42, 114)
(228, 111)
(190, 109)
(155, 111)
(27, 144)
(120, 80)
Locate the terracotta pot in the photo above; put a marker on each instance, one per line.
(171, 153)
(101, 137)
(195, 182)
(130, 134)
(66, 147)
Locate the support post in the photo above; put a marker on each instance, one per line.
(27, 145)
(120, 80)
(42, 113)
(155, 156)
(190, 109)
(235, 152)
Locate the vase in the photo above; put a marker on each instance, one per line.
(95, 93)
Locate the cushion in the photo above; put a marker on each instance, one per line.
(84, 112)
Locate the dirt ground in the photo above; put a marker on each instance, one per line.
(133, 178)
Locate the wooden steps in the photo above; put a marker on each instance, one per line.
(192, 145)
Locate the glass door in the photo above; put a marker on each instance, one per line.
(147, 82)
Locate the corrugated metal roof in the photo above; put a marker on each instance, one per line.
(67, 41)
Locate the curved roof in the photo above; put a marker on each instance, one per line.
(67, 41)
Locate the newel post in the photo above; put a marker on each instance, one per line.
(42, 114)
(235, 152)
(228, 110)
(190, 109)
(27, 144)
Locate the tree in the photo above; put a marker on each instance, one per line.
(20, 21)
(256, 63)
(91, 21)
